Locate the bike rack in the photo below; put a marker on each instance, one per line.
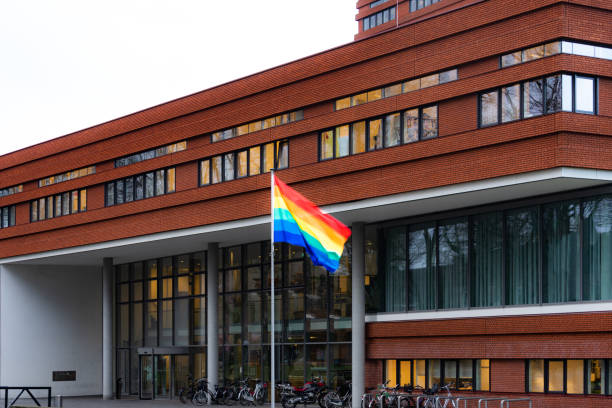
(486, 401)
(465, 400)
(403, 397)
(509, 400)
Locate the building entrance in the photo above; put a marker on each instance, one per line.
(161, 376)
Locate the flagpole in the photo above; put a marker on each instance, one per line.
(272, 310)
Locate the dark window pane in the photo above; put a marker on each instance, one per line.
(596, 377)
(66, 202)
(119, 192)
(151, 324)
(553, 94)
(149, 184)
(283, 155)
(253, 318)
(486, 262)
(597, 248)
(522, 283)
(137, 324)
(110, 197)
(561, 252)
(316, 305)
(160, 178)
(232, 315)
(533, 104)
(139, 187)
(452, 264)
(395, 269)
(199, 320)
(511, 103)
(165, 334)
(422, 257)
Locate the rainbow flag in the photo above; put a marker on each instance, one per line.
(298, 221)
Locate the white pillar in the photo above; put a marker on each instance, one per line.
(358, 313)
(212, 296)
(107, 328)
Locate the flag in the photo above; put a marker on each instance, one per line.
(298, 221)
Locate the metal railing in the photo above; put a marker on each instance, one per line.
(27, 390)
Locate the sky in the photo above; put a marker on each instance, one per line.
(66, 65)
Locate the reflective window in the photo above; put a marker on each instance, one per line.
(58, 178)
(71, 202)
(511, 103)
(585, 95)
(7, 215)
(358, 137)
(151, 154)
(258, 125)
(488, 108)
(137, 187)
(392, 130)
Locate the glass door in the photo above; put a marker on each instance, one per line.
(181, 374)
(162, 376)
(146, 377)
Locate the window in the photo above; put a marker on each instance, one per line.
(257, 125)
(69, 175)
(373, 134)
(56, 206)
(396, 89)
(377, 3)
(568, 376)
(553, 48)
(7, 216)
(419, 4)
(379, 18)
(561, 92)
(11, 190)
(462, 375)
(244, 163)
(141, 186)
(151, 154)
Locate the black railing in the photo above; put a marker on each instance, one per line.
(25, 389)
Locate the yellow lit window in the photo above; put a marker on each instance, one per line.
(242, 130)
(430, 80)
(413, 85)
(83, 203)
(359, 99)
(171, 180)
(242, 166)
(374, 95)
(254, 160)
(255, 126)
(268, 157)
(343, 103)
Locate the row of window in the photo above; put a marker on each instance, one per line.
(266, 123)
(569, 93)
(377, 3)
(461, 375)
(552, 48)
(396, 89)
(419, 4)
(151, 154)
(147, 185)
(379, 18)
(11, 190)
(569, 376)
(70, 202)
(243, 163)
(368, 135)
(558, 252)
(69, 175)
(7, 216)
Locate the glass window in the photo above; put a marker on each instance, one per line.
(482, 375)
(552, 48)
(533, 53)
(327, 145)
(199, 320)
(555, 376)
(536, 375)
(151, 324)
(344, 102)
(374, 95)
(358, 135)
(216, 169)
(511, 59)
(160, 176)
(342, 141)
(66, 203)
(430, 80)
(567, 100)
(575, 376)
(422, 267)
(129, 190)
(12, 216)
(359, 99)
(149, 185)
(411, 126)
(596, 377)
(228, 167)
(316, 305)
(119, 192)
(242, 130)
(585, 91)
(171, 180)
(165, 334)
(465, 380)
(242, 164)
(75, 202)
(488, 108)
(429, 120)
(393, 90)
(268, 157)
(603, 52)
(395, 270)
(584, 49)
(405, 372)
(83, 200)
(232, 314)
(419, 373)
(511, 103)
(412, 85)
(561, 252)
(254, 160)
(486, 260)
(453, 264)
(533, 104)
(50, 207)
(391, 372)
(42, 208)
(392, 130)
(597, 248)
(450, 373)
(139, 187)
(255, 126)
(522, 259)
(205, 172)
(375, 136)
(553, 94)
(283, 155)
(434, 373)
(448, 76)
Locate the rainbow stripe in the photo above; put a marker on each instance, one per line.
(299, 222)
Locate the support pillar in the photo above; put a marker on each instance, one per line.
(107, 328)
(212, 328)
(358, 312)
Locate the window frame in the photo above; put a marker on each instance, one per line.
(133, 178)
(607, 368)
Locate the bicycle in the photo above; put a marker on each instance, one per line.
(340, 398)
(431, 400)
(188, 393)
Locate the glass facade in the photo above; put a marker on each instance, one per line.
(161, 304)
(461, 375)
(551, 252)
(568, 376)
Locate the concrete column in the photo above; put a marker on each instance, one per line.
(107, 328)
(212, 300)
(358, 315)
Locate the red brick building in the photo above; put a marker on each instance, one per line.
(466, 142)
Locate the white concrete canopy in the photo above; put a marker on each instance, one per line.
(369, 210)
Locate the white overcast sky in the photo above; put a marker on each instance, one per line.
(66, 65)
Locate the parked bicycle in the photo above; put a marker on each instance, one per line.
(255, 397)
(339, 398)
(193, 386)
(431, 400)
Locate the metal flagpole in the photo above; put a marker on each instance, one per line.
(272, 379)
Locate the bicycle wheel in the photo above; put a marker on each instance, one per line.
(200, 398)
(329, 398)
